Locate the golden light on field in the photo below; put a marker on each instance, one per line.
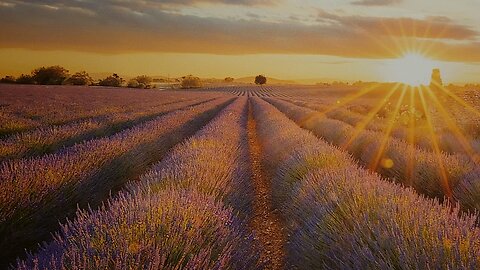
(413, 69)
(420, 107)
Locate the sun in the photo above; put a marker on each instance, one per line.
(412, 68)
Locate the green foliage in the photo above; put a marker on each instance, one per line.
(260, 79)
(8, 79)
(54, 75)
(229, 79)
(142, 81)
(133, 84)
(79, 78)
(113, 81)
(25, 79)
(191, 82)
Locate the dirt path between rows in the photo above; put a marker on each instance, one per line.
(266, 222)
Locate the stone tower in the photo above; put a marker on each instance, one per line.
(436, 80)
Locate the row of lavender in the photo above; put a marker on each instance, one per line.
(26, 107)
(448, 141)
(179, 216)
(35, 193)
(434, 174)
(51, 138)
(340, 216)
(249, 91)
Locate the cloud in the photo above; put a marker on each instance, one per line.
(125, 26)
(229, 2)
(377, 2)
(437, 27)
(143, 4)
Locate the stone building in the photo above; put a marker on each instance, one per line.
(436, 80)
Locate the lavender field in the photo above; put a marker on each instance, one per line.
(239, 177)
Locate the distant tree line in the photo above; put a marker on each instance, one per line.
(57, 75)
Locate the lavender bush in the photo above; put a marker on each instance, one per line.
(177, 217)
(48, 139)
(410, 166)
(448, 142)
(25, 107)
(340, 216)
(168, 229)
(221, 147)
(36, 193)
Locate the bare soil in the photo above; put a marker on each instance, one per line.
(266, 223)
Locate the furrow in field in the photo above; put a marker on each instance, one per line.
(266, 222)
(37, 193)
(341, 216)
(11, 124)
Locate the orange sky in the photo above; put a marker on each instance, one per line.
(328, 39)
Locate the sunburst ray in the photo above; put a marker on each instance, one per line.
(444, 182)
(363, 124)
(387, 132)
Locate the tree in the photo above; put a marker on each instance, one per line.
(114, 81)
(229, 79)
(260, 79)
(54, 75)
(191, 82)
(133, 84)
(142, 81)
(25, 79)
(79, 78)
(8, 79)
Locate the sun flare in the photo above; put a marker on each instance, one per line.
(413, 69)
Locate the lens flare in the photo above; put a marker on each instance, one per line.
(413, 69)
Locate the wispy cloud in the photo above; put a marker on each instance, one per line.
(229, 2)
(113, 26)
(438, 27)
(377, 2)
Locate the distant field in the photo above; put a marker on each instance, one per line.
(239, 177)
